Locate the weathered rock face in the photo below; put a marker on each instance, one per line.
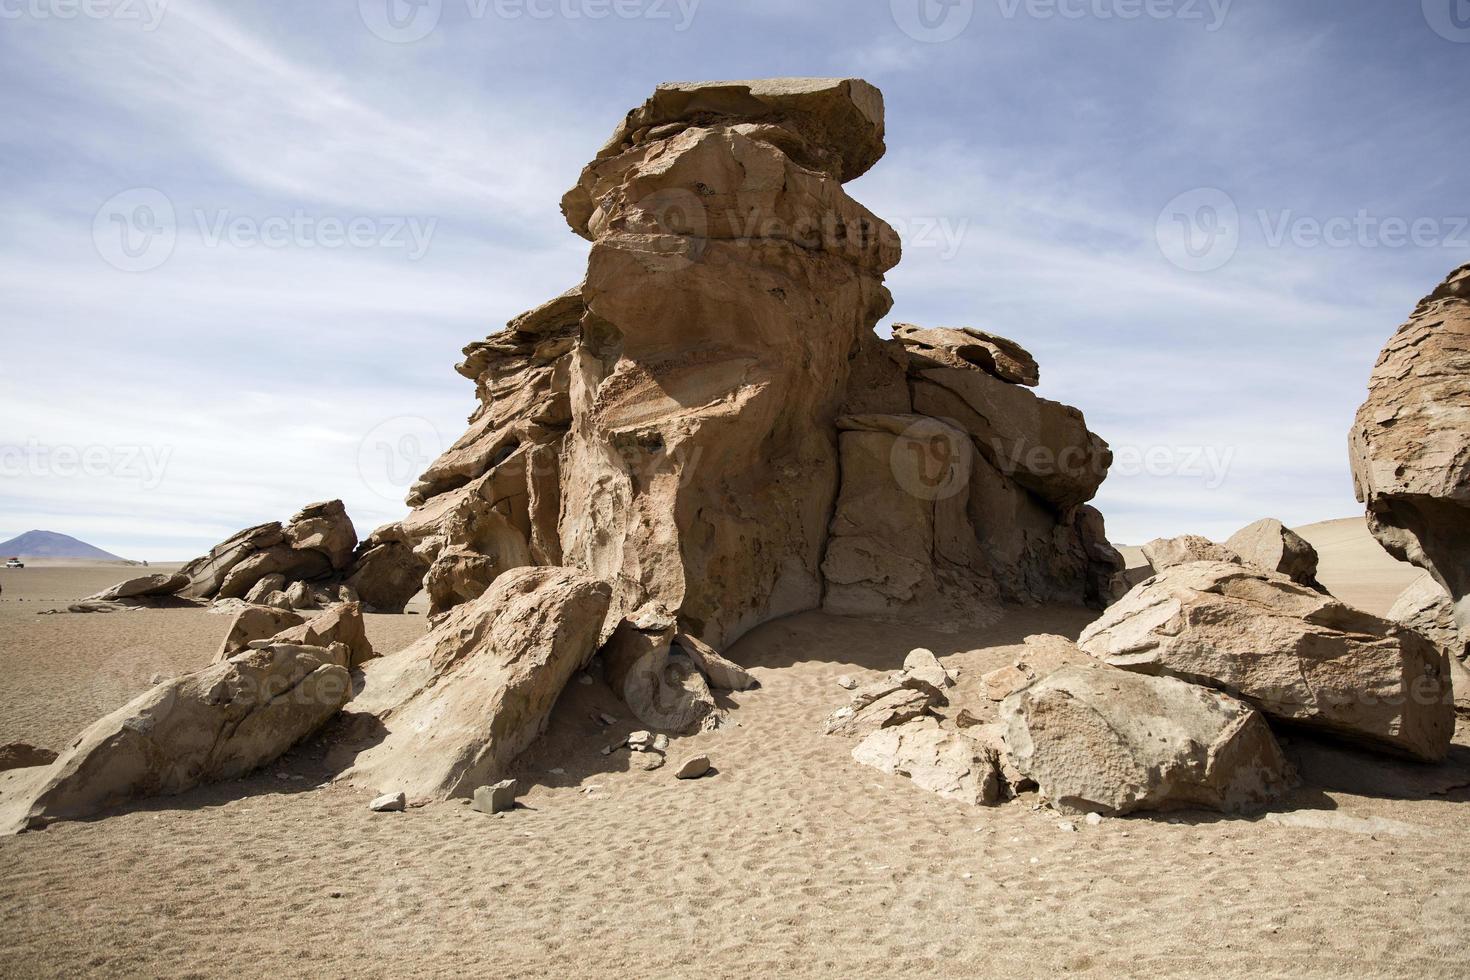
(727, 286)
(219, 723)
(1271, 545)
(315, 545)
(686, 422)
(1097, 740)
(449, 713)
(1290, 651)
(1426, 608)
(1411, 442)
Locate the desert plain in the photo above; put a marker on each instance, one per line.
(790, 859)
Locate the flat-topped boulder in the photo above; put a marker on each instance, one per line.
(1296, 654)
(839, 121)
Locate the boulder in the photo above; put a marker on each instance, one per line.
(1271, 545)
(1163, 554)
(499, 798)
(1425, 607)
(384, 577)
(1410, 456)
(969, 348)
(1111, 742)
(663, 687)
(1297, 655)
(216, 724)
(21, 755)
(343, 624)
(144, 587)
(262, 590)
(922, 665)
(1042, 656)
(451, 712)
(300, 597)
(254, 623)
(389, 803)
(896, 699)
(950, 764)
(722, 674)
(324, 528)
(694, 767)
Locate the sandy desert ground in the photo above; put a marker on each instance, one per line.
(791, 860)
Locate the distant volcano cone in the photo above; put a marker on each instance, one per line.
(49, 544)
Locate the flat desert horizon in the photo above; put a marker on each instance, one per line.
(793, 859)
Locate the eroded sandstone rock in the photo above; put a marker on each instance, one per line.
(1290, 651)
(1411, 442)
(255, 623)
(218, 723)
(1271, 545)
(1426, 608)
(949, 764)
(1111, 742)
(1163, 554)
(450, 713)
(967, 347)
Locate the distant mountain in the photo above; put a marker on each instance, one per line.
(49, 544)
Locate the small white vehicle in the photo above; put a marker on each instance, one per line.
(15, 563)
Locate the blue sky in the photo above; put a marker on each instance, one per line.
(322, 204)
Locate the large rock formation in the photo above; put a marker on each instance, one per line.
(1104, 741)
(1297, 655)
(703, 435)
(219, 723)
(314, 545)
(1411, 442)
(709, 424)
